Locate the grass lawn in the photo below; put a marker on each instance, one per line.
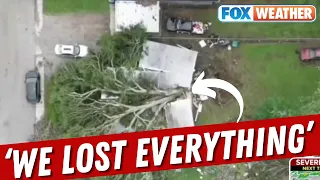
(75, 6)
(267, 71)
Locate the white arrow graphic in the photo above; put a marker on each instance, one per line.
(201, 87)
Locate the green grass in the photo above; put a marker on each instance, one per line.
(278, 71)
(268, 71)
(75, 6)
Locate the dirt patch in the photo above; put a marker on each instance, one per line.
(70, 29)
(220, 63)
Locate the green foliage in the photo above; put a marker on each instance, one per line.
(268, 170)
(76, 90)
(313, 104)
(78, 85)
(124, 49)
(281, 107)
(75, 104)
(160, 175)
(277, 107)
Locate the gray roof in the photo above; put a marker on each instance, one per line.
(179, 113)
(174, 65)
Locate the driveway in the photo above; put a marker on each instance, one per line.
(69, 29)
(17, 48)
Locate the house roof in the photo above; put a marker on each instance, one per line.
(129, 13)
(173, 66)
(179, 113)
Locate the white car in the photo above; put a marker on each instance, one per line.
(71, 50)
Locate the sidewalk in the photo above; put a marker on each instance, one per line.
(40, 107)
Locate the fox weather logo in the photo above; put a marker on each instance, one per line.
(235, 13)
(267, 13)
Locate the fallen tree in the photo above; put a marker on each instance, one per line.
(97, 95)
(106, 93)
(92, 101)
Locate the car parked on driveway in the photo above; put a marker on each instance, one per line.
(308, 54)
(71, 50)
(33, 87)
(179, 25)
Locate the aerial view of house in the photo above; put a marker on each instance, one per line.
(93, 67)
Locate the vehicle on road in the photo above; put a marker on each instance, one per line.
(308, 54)
(179, 25)
(33, 87)
(71, 50)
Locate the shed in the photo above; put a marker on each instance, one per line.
(173, 66)
(129, 13)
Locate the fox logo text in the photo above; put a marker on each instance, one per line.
(267, 13)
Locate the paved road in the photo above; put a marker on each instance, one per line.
(17, 49)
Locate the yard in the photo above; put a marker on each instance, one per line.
(54, 7)
(271, 30)
(264, 72)
(260, 71)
